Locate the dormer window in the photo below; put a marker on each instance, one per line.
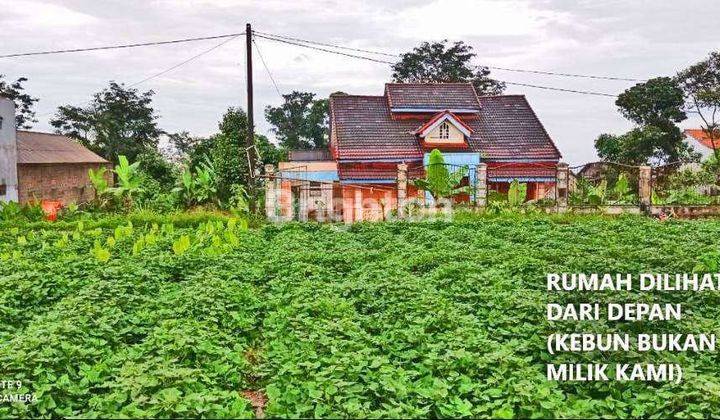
(444, 132)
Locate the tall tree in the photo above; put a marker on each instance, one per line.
(181, 144)
(24, 114)
(118, 121)
(443, 62)
(655, 106)
(226, 150)
(301, 122)
(657, 102)
(701, 84)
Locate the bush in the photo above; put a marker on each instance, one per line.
(13, 212)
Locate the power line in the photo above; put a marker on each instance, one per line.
(169, 69)
(267, 69)
(323, 49)
(326, 45)
(549, 73)
(182, 63)
(114, 47)
(584, 92)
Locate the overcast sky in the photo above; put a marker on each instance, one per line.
(637, 39)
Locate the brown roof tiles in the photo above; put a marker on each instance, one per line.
(505, 127)
(35, 147)
(432, 96)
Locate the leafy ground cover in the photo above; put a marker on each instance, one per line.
(184, 317)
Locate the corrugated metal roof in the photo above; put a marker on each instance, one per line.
(36, 147)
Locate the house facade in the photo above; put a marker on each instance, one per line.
(54, 167)
(372, 137)
(36, 166)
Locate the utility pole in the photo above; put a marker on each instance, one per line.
(250, 141)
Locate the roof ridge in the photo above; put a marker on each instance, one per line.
(357, 96)
(42, 132)
(427, 83)
(502, 95)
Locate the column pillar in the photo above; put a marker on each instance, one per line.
(644, 190)
(561, 187)
(270, 193)
(481, 185)
(304, 199)
(358, 205)
(402, 171)
(328, 212)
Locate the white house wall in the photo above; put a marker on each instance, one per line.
(8, 150)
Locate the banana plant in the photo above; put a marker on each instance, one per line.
(200, 187)
(100, 185)
(439, 181)
(516, 193)
(205, 185)
(129, 180)
(186, 189)
(596, 195)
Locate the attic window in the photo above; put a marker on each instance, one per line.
(444, 131)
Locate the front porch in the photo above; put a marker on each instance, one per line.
(313, 191)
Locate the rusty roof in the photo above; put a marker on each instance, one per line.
(36, 147)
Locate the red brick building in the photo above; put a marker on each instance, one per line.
(371, 135)
(54, 167)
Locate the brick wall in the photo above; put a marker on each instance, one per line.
(66, 182)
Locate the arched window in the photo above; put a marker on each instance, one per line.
(444, 131)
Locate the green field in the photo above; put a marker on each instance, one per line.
(374, 320)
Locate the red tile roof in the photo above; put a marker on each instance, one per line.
(702, 137)
(506, 128)
(382, 171)
(36, 147)
(432, 96)
(522, 170)
(509, 129)
(365, 129)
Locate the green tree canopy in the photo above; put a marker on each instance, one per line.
(118, 121)
(181, 144)
(701, 84)
(440, 62)
(226, 151)
(657, 102)
(644, 145)
(24, 114)
(655, 106)
(301, 122)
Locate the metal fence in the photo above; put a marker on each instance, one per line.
(604, 183)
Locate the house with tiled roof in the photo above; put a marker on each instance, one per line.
(371, 135)
(37, 166)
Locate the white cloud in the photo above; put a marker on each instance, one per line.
(616, 38)
(456, 19)
(36, 14)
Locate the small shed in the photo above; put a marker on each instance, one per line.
(54, 167)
